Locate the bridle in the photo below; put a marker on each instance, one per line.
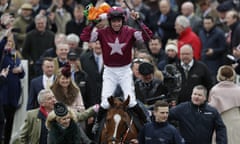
(127, 131)
(124, 135)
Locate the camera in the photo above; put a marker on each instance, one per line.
(232, 59)
(172, 80)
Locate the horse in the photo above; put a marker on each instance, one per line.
(119, 127)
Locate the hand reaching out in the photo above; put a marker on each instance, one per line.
(134, 15)
(4, 72)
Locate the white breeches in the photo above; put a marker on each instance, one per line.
(118, 75)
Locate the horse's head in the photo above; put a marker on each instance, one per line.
(119, 126)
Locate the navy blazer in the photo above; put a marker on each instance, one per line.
(35, 87)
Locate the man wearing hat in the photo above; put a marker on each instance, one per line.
(72, 55)
(79, 76)
(21, 23)
(148, 87)
(222, 10)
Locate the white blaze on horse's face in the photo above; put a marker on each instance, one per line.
(117, 119)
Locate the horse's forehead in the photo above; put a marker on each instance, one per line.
(118, 103)
(114, 111)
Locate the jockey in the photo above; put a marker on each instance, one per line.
(117, 41)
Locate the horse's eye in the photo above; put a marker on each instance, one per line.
(108, 120)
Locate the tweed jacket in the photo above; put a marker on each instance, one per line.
(31, 129)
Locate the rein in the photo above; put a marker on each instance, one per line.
(127, 131)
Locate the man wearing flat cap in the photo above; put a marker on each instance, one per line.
(220, 21)
(21, 23)
(79, 76)
(72, 55)
(148, 87)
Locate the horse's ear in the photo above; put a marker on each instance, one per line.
(126, 102)
(111, 100)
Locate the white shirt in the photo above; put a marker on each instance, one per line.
(46, 79)
(189, 65)
(100, 61)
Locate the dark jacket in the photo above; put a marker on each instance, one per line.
(36, 43)
(167, 26)
(89, 65)
(214, 39)
(235, 34)
(159, 133)
(161, 65)
(35, 87)
(2, 80)
(10, 92)
(197, 75)
(159, 57)
(70, 135)
(81, 80)
(197, 123)
(145, 92)
(76, 28)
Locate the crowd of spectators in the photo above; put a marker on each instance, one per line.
(187, 43)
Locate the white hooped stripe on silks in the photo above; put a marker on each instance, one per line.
(117, 119)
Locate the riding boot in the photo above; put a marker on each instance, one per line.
(101, 114)
(139, 112)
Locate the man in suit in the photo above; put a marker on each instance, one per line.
(90, 66)
(162, 22)
(193, 73)
(41, 82)
(94, 70)
(60, 60)
(34, 129)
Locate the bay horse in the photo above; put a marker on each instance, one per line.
(119, 127)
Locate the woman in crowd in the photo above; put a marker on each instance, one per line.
(224, 96)
(63, 128)
(10, 92)
(66, 90)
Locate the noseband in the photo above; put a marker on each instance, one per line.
(124, 135)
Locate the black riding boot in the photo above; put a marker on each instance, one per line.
(137, 110)
(101, 114)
